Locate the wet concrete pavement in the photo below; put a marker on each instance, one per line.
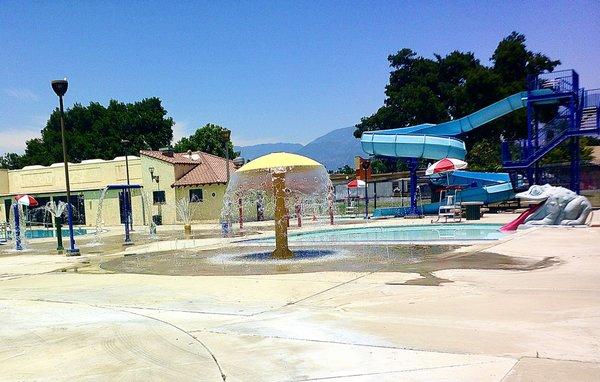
(537, 322)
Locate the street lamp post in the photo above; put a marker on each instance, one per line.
(226, 135)
(60, 88)
(365, 164)
(237, 163)
(125, 143)
(156, 179)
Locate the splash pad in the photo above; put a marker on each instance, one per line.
(281, 182)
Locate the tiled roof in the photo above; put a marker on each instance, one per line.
(212, 169)
(177, 158)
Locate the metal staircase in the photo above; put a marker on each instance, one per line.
(589, 118)
(577, 116)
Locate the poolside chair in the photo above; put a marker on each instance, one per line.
(449, 210)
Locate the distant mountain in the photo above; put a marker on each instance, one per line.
(334, 149)
(255, 151)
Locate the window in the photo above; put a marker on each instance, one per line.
(158, 197)
(7, 206)
(77, 201)
(196, 195)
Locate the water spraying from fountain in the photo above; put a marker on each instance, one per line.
(147, 212)
(185, 209)
(57, 210)
(279, 184)
(19, 227)
(99, 222)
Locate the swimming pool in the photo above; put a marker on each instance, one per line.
(403, 233)
(50, 232)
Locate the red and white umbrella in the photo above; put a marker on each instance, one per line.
(356, 183)
(445, 165)
(26, 200)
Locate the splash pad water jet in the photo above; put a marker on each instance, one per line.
(285, 182)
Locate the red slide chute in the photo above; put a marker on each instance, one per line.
(512, 226)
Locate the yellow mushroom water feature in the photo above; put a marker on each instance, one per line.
(285, 179)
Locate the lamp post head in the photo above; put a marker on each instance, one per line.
(238, 162)
(151, 169)
(226, 134)
(60, 87)
(125, 142)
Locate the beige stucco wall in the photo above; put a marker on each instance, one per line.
(82, 176)
(3, 191)
(110, 214)
(210, 207)
(86, 179)
(3, 181)
(166, 173)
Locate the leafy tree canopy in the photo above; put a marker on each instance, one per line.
(345, 170)
(209, 139)
(96, 131)
(434, 90)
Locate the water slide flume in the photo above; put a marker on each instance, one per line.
(431, 141)
(435, 142)
(289, 178)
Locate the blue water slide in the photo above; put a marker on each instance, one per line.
(431, 141)
(413, 146)
(435, 141)
(485, 187)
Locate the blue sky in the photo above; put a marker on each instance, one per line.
(270, 71)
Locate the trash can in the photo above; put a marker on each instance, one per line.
(472, 210)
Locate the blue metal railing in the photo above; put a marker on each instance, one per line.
(548, 136)
(562, 81)
(591, 98)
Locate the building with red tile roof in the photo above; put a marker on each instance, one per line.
(198, 176)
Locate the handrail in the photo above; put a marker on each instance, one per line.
(546, 138)
(591, 98)
(562, 81)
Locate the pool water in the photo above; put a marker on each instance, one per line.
(50, 232)
(404, 233)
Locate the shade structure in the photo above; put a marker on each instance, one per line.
(26, 200)
(289, 179)
(445, 165)
(356, 183)
(275, 161)
(302, 174)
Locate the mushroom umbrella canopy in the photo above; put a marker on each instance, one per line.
(286, 176)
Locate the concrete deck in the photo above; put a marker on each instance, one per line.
(487, 325)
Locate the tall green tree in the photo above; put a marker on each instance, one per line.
(208, 138)
(95, 131)
(11, 161)
(442, 88)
